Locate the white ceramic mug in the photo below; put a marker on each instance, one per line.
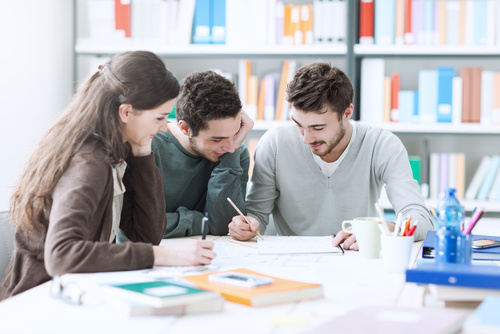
(367, 235)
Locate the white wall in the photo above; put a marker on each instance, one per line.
(36, 69)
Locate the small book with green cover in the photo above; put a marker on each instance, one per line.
(160, 293)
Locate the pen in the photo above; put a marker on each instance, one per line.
(243, 216)
(407, 227)
(338, 246)
(204, 226)
(399, 220)
(473, 221)
(384, 229)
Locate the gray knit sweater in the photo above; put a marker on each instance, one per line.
(289, 184)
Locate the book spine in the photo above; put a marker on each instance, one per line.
(366, 22)
(478, 178)
(372, 90)
(445, 94)
(384, 21)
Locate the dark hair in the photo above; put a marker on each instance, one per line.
(206, 96)
(319, 85)
(138, 78)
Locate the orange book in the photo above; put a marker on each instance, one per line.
(282, 90)
(387, 99)
(396, 87)
(366, 22)
(279, 291)
(261, 104)
(466, 75)
(122, 16)
(306, 24)
(248, 73)
(476, 73)
(287, 26)
(400, 22)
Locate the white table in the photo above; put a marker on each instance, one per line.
(348, 280)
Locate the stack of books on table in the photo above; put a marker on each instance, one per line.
(160, 298)
(458, 284)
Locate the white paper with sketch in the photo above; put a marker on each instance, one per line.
(296, 245)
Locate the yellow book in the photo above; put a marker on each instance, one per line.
(282, 90)
(387, 98)
(261, 103)
(279, 291)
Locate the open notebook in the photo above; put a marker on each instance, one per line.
(296, 245)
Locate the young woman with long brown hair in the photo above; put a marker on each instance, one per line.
(92, 173)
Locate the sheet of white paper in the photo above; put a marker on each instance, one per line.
(296, 245)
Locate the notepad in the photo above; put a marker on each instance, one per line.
(296, 245)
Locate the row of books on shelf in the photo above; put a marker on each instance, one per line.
(265, 100)
(430, 22)
(230, 22)
(438, 171)
(444, 95)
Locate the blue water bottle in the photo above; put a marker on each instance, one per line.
(451, 245)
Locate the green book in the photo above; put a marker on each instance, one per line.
(416, 167)
(160, 293)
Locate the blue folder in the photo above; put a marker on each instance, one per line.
(454, 274)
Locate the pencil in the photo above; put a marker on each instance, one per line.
(243, 216)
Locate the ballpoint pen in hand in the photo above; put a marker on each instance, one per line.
(243, 216)
(339, 246)
(204, 226)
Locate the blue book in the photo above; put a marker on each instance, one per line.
(444, 96)
(427, 96)
(416, 115)
(491, 173)
(201, 22)
(477, 254)
(406, 100)
(480, 13)
(456, 274)
(218, 29)
(385, 13)
(428, 22)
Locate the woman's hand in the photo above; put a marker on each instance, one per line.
(189, 253)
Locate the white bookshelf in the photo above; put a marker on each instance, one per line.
(441, 128)
(431, 50)
(87, 47)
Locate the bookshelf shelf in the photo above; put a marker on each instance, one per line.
(434, 50)
(199, 51)
(488, 206)
(437, 128)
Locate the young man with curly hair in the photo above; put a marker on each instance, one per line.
(202, 157)
(327, 168)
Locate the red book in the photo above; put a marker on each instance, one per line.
(122, 16)
(408, 35)
(366, 22)
(396, 87)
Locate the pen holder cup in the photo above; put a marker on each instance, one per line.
(453, 247)
(396, 253)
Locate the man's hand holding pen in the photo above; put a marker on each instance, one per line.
(241, 230)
